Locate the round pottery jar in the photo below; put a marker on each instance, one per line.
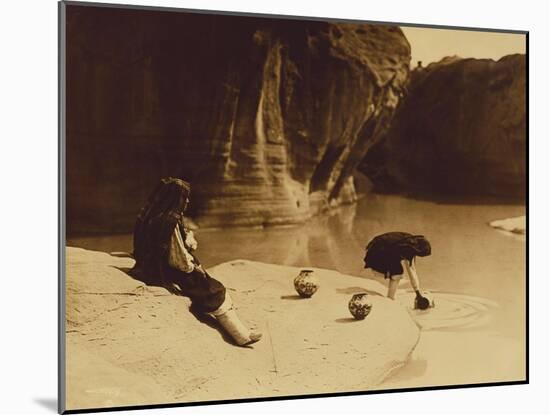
(306, 284)
(430, 303)
(360, 305)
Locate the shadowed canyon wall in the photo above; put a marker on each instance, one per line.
(461, 130)
(267, 118)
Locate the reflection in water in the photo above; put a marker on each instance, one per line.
(469, 259)
(326, 242)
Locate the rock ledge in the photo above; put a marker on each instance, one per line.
(131, 344)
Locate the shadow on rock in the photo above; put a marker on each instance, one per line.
(355, 290)
(212, 323)
(346, 320)
(175, 290)
(292, 297)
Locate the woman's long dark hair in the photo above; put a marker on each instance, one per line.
(156, 222)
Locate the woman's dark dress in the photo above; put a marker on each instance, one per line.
(152, 236)
(385, 252)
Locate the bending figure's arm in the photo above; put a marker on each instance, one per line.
(411, 272)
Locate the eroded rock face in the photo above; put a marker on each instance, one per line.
(461, 130)
(131, 344)
(267, 118)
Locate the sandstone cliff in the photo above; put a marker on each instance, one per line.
(267, 118)
(461, 130)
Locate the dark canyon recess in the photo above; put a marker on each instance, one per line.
(267, 118)
(461, 130)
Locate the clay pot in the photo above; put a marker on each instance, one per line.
(306, 283)
(360, 305)
(430, 301)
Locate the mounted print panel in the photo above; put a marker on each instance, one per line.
(263, 207)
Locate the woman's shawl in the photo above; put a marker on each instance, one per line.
(156, 223)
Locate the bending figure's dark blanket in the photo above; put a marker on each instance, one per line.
(385, 252)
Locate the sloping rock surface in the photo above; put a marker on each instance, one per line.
(130, 344)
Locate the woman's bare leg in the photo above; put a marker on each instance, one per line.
(392, 286)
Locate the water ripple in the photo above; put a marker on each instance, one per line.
(451, 311)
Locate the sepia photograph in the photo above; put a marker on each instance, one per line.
(262, 207)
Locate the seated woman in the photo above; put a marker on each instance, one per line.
(163, 250)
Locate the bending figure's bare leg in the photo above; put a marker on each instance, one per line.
(392, 286)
